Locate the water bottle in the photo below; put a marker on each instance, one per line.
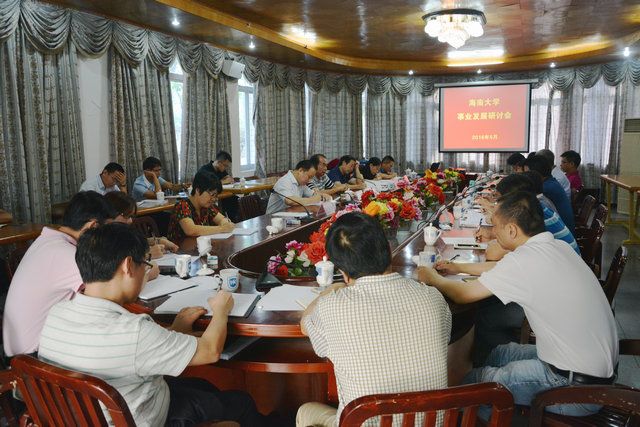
(243, 182)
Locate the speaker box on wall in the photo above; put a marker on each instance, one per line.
(232, 68)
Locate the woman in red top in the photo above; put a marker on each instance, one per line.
(197, 215)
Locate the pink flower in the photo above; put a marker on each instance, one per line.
(273, 263)
(294, 244)
(403, 183)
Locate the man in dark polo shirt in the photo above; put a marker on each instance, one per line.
(370, 169)
(345, 173)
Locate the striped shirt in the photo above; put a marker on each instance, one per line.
(384, 334)
(554, 225)
(322, 183)
(129, 351)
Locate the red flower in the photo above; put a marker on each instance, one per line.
(317, 236)
(407, 212)
(315, 251)
(367, 197)
(282, 270)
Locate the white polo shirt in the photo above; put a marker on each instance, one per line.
(288, 186)
(563, 301)
(129, 351)
(557, 173)
(96, 184)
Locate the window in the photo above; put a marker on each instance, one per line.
(246, 94)
(177, 78)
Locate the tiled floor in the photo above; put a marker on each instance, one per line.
(627, 300)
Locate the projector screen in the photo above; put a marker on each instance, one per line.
(485, 118)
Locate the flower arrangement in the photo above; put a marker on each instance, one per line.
(392, 207)
(445, 179)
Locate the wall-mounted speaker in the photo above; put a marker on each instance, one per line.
(232, 68)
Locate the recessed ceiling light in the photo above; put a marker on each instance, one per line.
(252, 45)
(626, 51)
(411, 72)
(552, 65)
(175, 22)
(479, 71)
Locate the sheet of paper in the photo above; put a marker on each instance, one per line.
(288, 298)
(459, 240)
(227, 186)
(290, 214)
(197, 297)
(150, 203)
(244, 231)
(220, 236)
(164, 285)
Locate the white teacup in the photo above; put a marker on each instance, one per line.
(278, 223)
(457, 211)
(183, 264)
(428, 258)
(228, 279)
(204, 245)
(160, 196)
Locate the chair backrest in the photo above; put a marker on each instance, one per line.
(601, 213)
(611, 282)
(451, 400)
(584, 212)
(14, 257)
(146, 225)
(590, 241)
(59, 397)
(250, 207)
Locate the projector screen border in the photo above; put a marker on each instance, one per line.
(486, 83)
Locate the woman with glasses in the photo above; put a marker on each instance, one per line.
(127, 209)
(198, 215)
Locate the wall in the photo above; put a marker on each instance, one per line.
(93, 82)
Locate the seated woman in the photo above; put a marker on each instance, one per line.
(197, 215)
(127, 208)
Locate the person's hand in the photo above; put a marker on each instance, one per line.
(325, 197)
(120, 178)
(447, 267)
(340, 187)
(186, 317)
(156, 251)
(484, 234)
(227, 180)
(428, 275)
(154, 272)
(221, 303)
(227, 226)
(150, 175)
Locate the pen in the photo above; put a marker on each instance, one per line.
(454, 257)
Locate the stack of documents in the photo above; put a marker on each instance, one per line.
(289, 298)
(198, 296)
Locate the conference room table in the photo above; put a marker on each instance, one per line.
(630, 183)
(17, 233)
(250, 186)
(281, 370)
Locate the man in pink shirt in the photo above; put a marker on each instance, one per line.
(48, 273)
(569, 162)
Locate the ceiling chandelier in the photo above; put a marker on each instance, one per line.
(454, 26)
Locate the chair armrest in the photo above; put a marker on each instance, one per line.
(629, 347)
(7, 381)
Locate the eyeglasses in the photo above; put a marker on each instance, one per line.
(147, 264)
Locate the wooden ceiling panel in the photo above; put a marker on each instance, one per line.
(387, 36)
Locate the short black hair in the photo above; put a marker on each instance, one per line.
(315, 159)
(223, 155)
(87, 206)
(151, 163)
(113, 167)
(356, 245)
(101, 250)
(387, 159)
(514, 182)
(516, 159)
(524, 209)
(539, 164)
(572, 157)
(347, 159)
(305, 165)
(205, 181)
(536, 180)
(122, 203)
(375, 161)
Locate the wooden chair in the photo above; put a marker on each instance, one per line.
(621, 404)
(601, 214)
(250, 206)
(611, 282)
(584, 212)
(452, 400)
(591, 247)
(146, 225)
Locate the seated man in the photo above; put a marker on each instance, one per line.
(516, 162)
(94, 334)
(576, 336)
(386, 168)
(345, 173)
(320, 181)
(556, 172)
(371, 168)
(221, 168)
(150, 182)
(112, 178)
(569, 162)
(383, 333)
(197, 215)
(552, 189)
(48, 273)
(291, 189)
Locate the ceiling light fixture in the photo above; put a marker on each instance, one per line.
(479, 71)
(626, 51)
(252, 45)
(454, 26)
(175, 22)
(552, 65)
(411, 72)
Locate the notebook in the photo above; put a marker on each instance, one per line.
(288, 298)
(197, 297)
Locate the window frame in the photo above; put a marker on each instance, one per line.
(248, 90)
(182, 79)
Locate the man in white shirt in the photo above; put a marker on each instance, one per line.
(576, 335)
(556, 172)
(112, 178)
(147, 185)
(96, 335)
(291, 189)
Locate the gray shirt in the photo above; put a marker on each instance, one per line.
(287, 186)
